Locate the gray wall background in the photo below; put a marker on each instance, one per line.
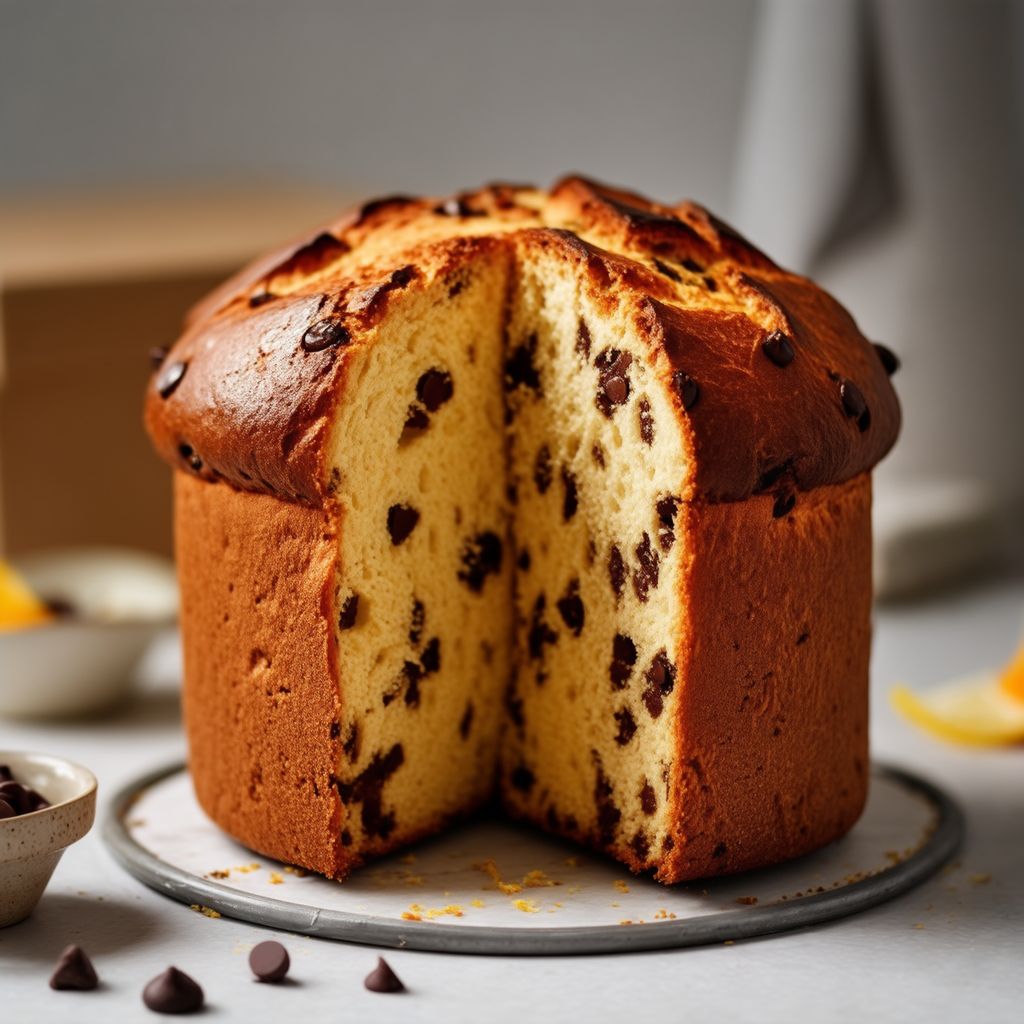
(380, 95)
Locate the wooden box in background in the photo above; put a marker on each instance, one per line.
(88, 286)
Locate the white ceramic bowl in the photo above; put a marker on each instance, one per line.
(31, 844)
(83, 662)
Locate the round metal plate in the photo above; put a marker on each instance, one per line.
(495, 888)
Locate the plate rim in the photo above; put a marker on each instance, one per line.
(492, 940)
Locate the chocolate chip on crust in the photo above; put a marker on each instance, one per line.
(668, 271)
(889, 360)
(570, 607)
(325, 334)
(686, 388)
(402, 520)
(434, 388)
(627, 726)
(170, 377)
(854, 404)
(778, 348)
(645, 576)
(623, 660)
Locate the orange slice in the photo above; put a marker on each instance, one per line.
(19, 607)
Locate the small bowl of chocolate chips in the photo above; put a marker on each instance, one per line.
(46, 804)
(74, 624)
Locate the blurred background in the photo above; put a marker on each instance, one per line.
(149, 148)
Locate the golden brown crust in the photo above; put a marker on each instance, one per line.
(261, 698)
(252, 403)
(772, 726)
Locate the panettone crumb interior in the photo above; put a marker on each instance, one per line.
(508, 468)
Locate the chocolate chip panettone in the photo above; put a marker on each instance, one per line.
(567, 492)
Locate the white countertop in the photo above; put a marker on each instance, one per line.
(951, 950)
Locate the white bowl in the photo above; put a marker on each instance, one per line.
(32, 844)
(84, 661)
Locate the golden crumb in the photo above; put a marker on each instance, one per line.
(729, 942)
(573, 862)
(626, 921)
(205, 911)
(537, 879)
(245, 869)
(919, 927)
(408, 915)
(291, 869)
(664, 915)
(276, 879)
(477, 903)
(452, 910)
(621, 885)
(526, 906)
(489, 868)
(981, 878)
(746, 901)
(219, 874)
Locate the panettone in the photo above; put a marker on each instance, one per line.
(565, 493)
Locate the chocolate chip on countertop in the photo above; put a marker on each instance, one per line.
(402, 520)
(434, 388)
(383, 979)
(74, 972)
(854, 404)
(778, 348)
(686, 388)
(889, 360)
(173, 992)
(170, 377)
(269, 961)
(324, 334)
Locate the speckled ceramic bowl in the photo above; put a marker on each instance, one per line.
(31, 844)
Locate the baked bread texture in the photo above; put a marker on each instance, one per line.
(565, 493)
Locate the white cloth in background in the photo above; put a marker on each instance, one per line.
(881, 153)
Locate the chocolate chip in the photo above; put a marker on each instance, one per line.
(612, 379)
(416, 419)
(784, 502)
(173, 992)
(157, 355)
(324, 334)
(335, 730)
(5, 773)
(434, 388)
(366, 789)
(169, 379)
(6, 810)
(693, 266)
(889, 360)
(524, 560)
(720, 850)
(686, 388)
(269, 961)
(640, 845)
(570, 607)
(402, 520)
(623, 660)
(74, 972)
(646, 422)
(349, 611)
(351, 743)
(20, 798)
(711, 284)
(854, 404)
(661, 679)
(667, 509)
(541, 634)
(597, 453)
(186, 452)
(522, 779)
(466, 722)
(457, 206)
(669, 272)
(608, 814)
(778, 348)
(583, 339)
(430, 660)
(481, 557)
(627, 726)
(411, 675)
(383, 979)
(542, 471)
(648, 799)
(520, 369)
(645, 577)
(616, 570)
(570, 500)
(419, 617)
(258, 299)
